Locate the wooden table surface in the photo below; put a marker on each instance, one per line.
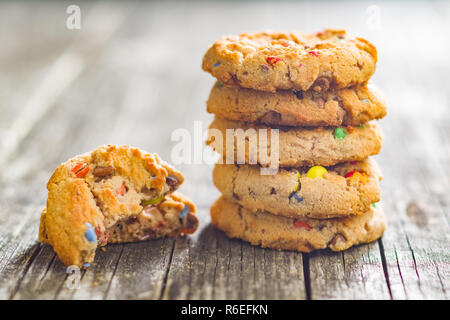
(132, 75)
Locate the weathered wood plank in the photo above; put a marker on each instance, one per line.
(417, 244)
(356, 273)
(20, 251)
(94, 282)
(18, 246)
(140, 271)
(208, 265)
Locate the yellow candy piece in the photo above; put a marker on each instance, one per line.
(316, 172)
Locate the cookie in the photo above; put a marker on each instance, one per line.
(297, 147)
(270, 61)
(90, 194)
(345, 189)
(304, 235)
(352, 106)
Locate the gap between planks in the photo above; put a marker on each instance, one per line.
(166, 274)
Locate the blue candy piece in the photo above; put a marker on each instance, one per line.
(365, 100)
(217, 64)
(90, 233)
(297, 197)
(184, 212)
(86, 265)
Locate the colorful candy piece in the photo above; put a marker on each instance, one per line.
(351, 173)
(121, 190)
(217, 64)
(219, 84)
(151, 201)
(90, 233)
(314, 53)
(184, 212)
(365, 100)
(273, 60)
(297, 197)
(339, 133)
(86, 265)
(316, 172)
(301, 224)
(373, 205)
(361, 126)
(361, 177)
(80, 169)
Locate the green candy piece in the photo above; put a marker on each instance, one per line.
(373, 205)
(151, 201)
(219, 84)
(339, 133)
(361, 126)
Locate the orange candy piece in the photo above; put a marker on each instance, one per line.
(302, 224)
(121, 190)
(80, 169)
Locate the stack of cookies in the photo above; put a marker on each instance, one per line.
(311, 93)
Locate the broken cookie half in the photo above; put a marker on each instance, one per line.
(112, 194)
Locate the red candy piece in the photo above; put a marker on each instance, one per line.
(285, 44)
(273, 60)
(302, 224)
(314, 53)
(348, 175)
